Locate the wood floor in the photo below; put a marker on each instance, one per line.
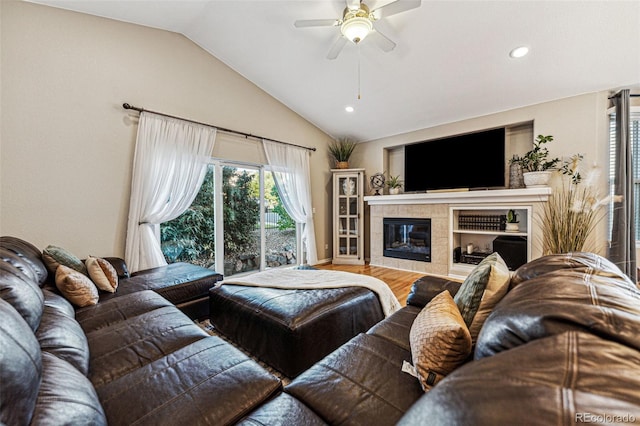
(399, 281)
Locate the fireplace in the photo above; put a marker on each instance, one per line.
(407, 238)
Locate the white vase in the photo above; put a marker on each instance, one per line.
(349, 186)
(394, 191)
(512, 227)
(537, 179)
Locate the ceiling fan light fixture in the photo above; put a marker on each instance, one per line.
(356, 28)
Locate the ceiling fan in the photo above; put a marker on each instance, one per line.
(357, 23)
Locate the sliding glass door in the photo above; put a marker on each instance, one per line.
(242, 227)
(236, 224)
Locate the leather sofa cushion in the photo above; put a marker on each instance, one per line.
(20, 367)
(62, 336)
(282, 410)
(57, 302)
(362, 381)
(568, 299)
(208, 382)
(426, 288)
(22, 293)
(30, 256)
(126, 346)
(113, 311)
(66, 396)
(579, 261)
(177, 282)
(554, 380)
(396, 328)
(18, 261)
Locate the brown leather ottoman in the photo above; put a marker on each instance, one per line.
(289, 329)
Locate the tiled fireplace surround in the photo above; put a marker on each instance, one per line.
(436, 206)
(439, 215)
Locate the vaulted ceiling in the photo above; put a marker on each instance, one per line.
(451, 59)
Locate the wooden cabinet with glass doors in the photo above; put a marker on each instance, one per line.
(348, 216)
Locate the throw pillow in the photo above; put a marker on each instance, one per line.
(439, 339)
(483, 288)
(54, 256)
(102, 273)
(76, 287)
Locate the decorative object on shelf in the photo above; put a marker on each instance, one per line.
(377, 181)
(536, 164)
(341, 151)
(516, 180)
(469, 248)
(349, 186)
(512, 221)
(482, 222)
(572, 211)
(395, 185)
(537, 179)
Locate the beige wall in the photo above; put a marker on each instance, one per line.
(67, 144)
(579, 125)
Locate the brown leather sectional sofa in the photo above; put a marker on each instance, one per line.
(562, 347)
(134, 358)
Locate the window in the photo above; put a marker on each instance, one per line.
(236, 223)
(634, 132)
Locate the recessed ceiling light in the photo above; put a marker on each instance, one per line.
(349, 108)
(519, 52)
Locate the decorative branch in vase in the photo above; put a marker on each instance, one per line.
(572, 211)
(341, 151)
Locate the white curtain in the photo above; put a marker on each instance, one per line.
(290, 168)
(169, 166)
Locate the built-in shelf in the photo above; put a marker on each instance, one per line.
(524, 195)
(483, 240)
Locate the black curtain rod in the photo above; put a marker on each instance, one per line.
(631, 95)
(222, 129)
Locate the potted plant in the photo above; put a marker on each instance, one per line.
(536, 163)
(341, 150)
(395, 184)
(512, 221)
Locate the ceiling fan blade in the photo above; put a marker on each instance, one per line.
(353, 4)
(316, 23)
(397, 6)
(337, 47)
(382, 41)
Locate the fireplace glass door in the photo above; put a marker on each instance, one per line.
(407, 238)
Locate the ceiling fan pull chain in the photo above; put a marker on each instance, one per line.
(358, 47)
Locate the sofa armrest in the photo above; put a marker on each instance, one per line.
(120, 266)
(426, 288)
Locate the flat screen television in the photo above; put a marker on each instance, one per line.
(470, 161)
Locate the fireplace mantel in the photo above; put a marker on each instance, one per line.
(524, 195)
(442, 208)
